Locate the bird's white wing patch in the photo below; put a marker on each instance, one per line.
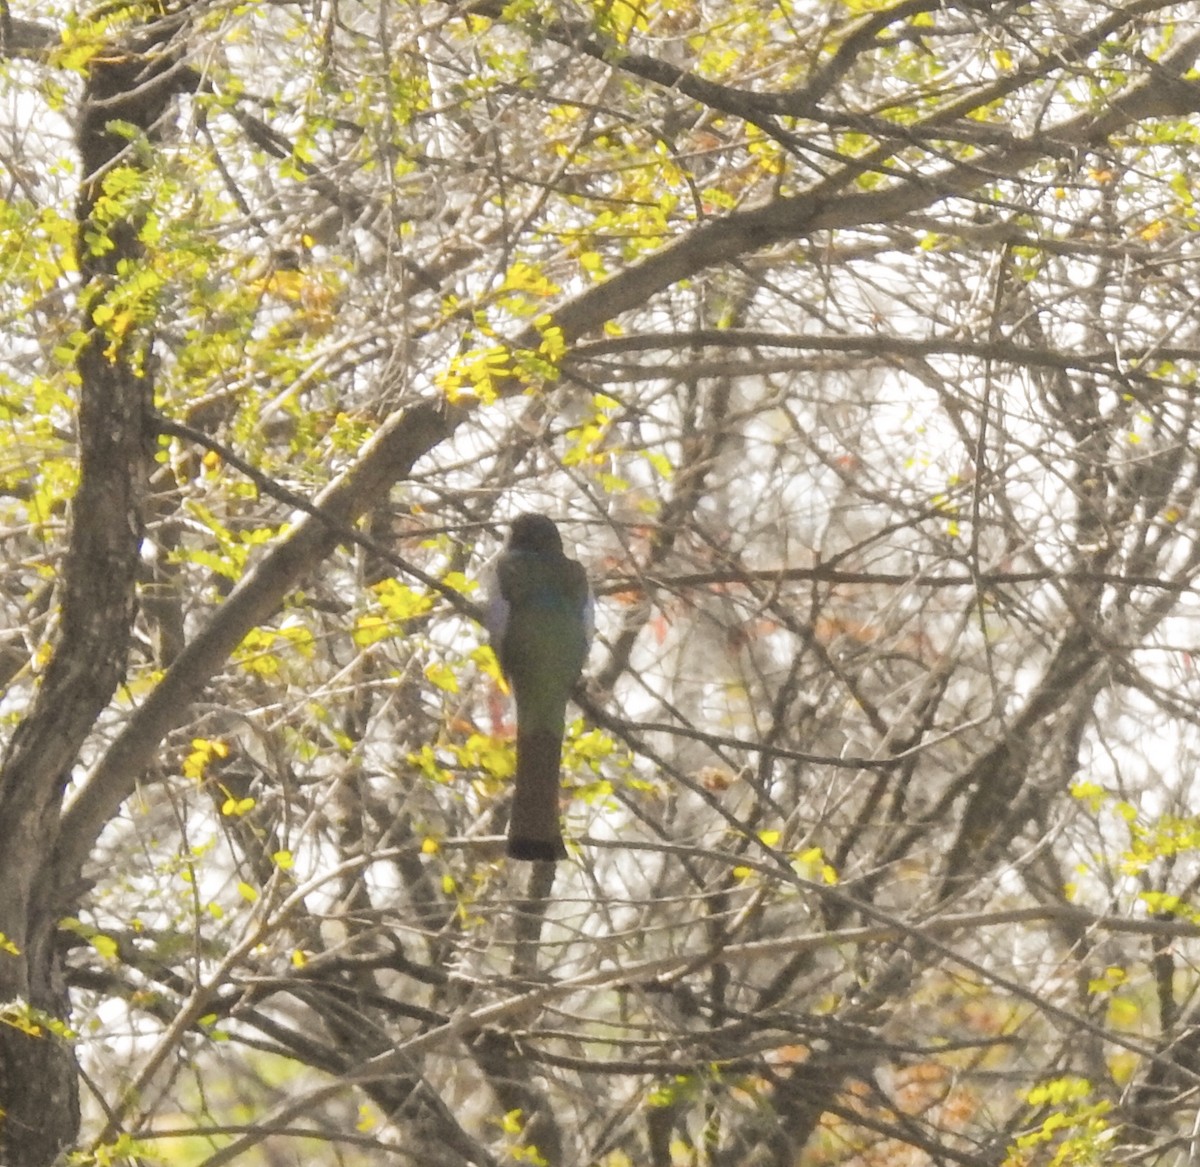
(496, 607)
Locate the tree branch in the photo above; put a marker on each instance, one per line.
(387, 458)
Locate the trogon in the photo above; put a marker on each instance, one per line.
(539, 616)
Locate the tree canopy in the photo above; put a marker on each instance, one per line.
(853, 346)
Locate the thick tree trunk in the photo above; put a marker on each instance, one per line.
(38, 1074)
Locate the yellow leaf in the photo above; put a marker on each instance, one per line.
(399, 601)
(485, 658)
(660, 462)
(105, 945)
(1123, 1012)
(1122, 1067)
(524, 277)
(1112, 977)
(122, 322)
(246, 891)
(283, 283)
(284, 860)
(1090, 792)
(442, 675)
(554, 344)
(204, 750)
(370, 630)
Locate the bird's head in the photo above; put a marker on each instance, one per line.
(534, 533)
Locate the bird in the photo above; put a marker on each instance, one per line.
(539, 619)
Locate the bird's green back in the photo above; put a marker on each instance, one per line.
(545, 637)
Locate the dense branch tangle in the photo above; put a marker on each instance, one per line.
(853, 346)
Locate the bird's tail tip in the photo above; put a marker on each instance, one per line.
(536, 850)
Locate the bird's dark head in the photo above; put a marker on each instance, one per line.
(534, 533)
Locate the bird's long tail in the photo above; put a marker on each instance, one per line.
(534, 830)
